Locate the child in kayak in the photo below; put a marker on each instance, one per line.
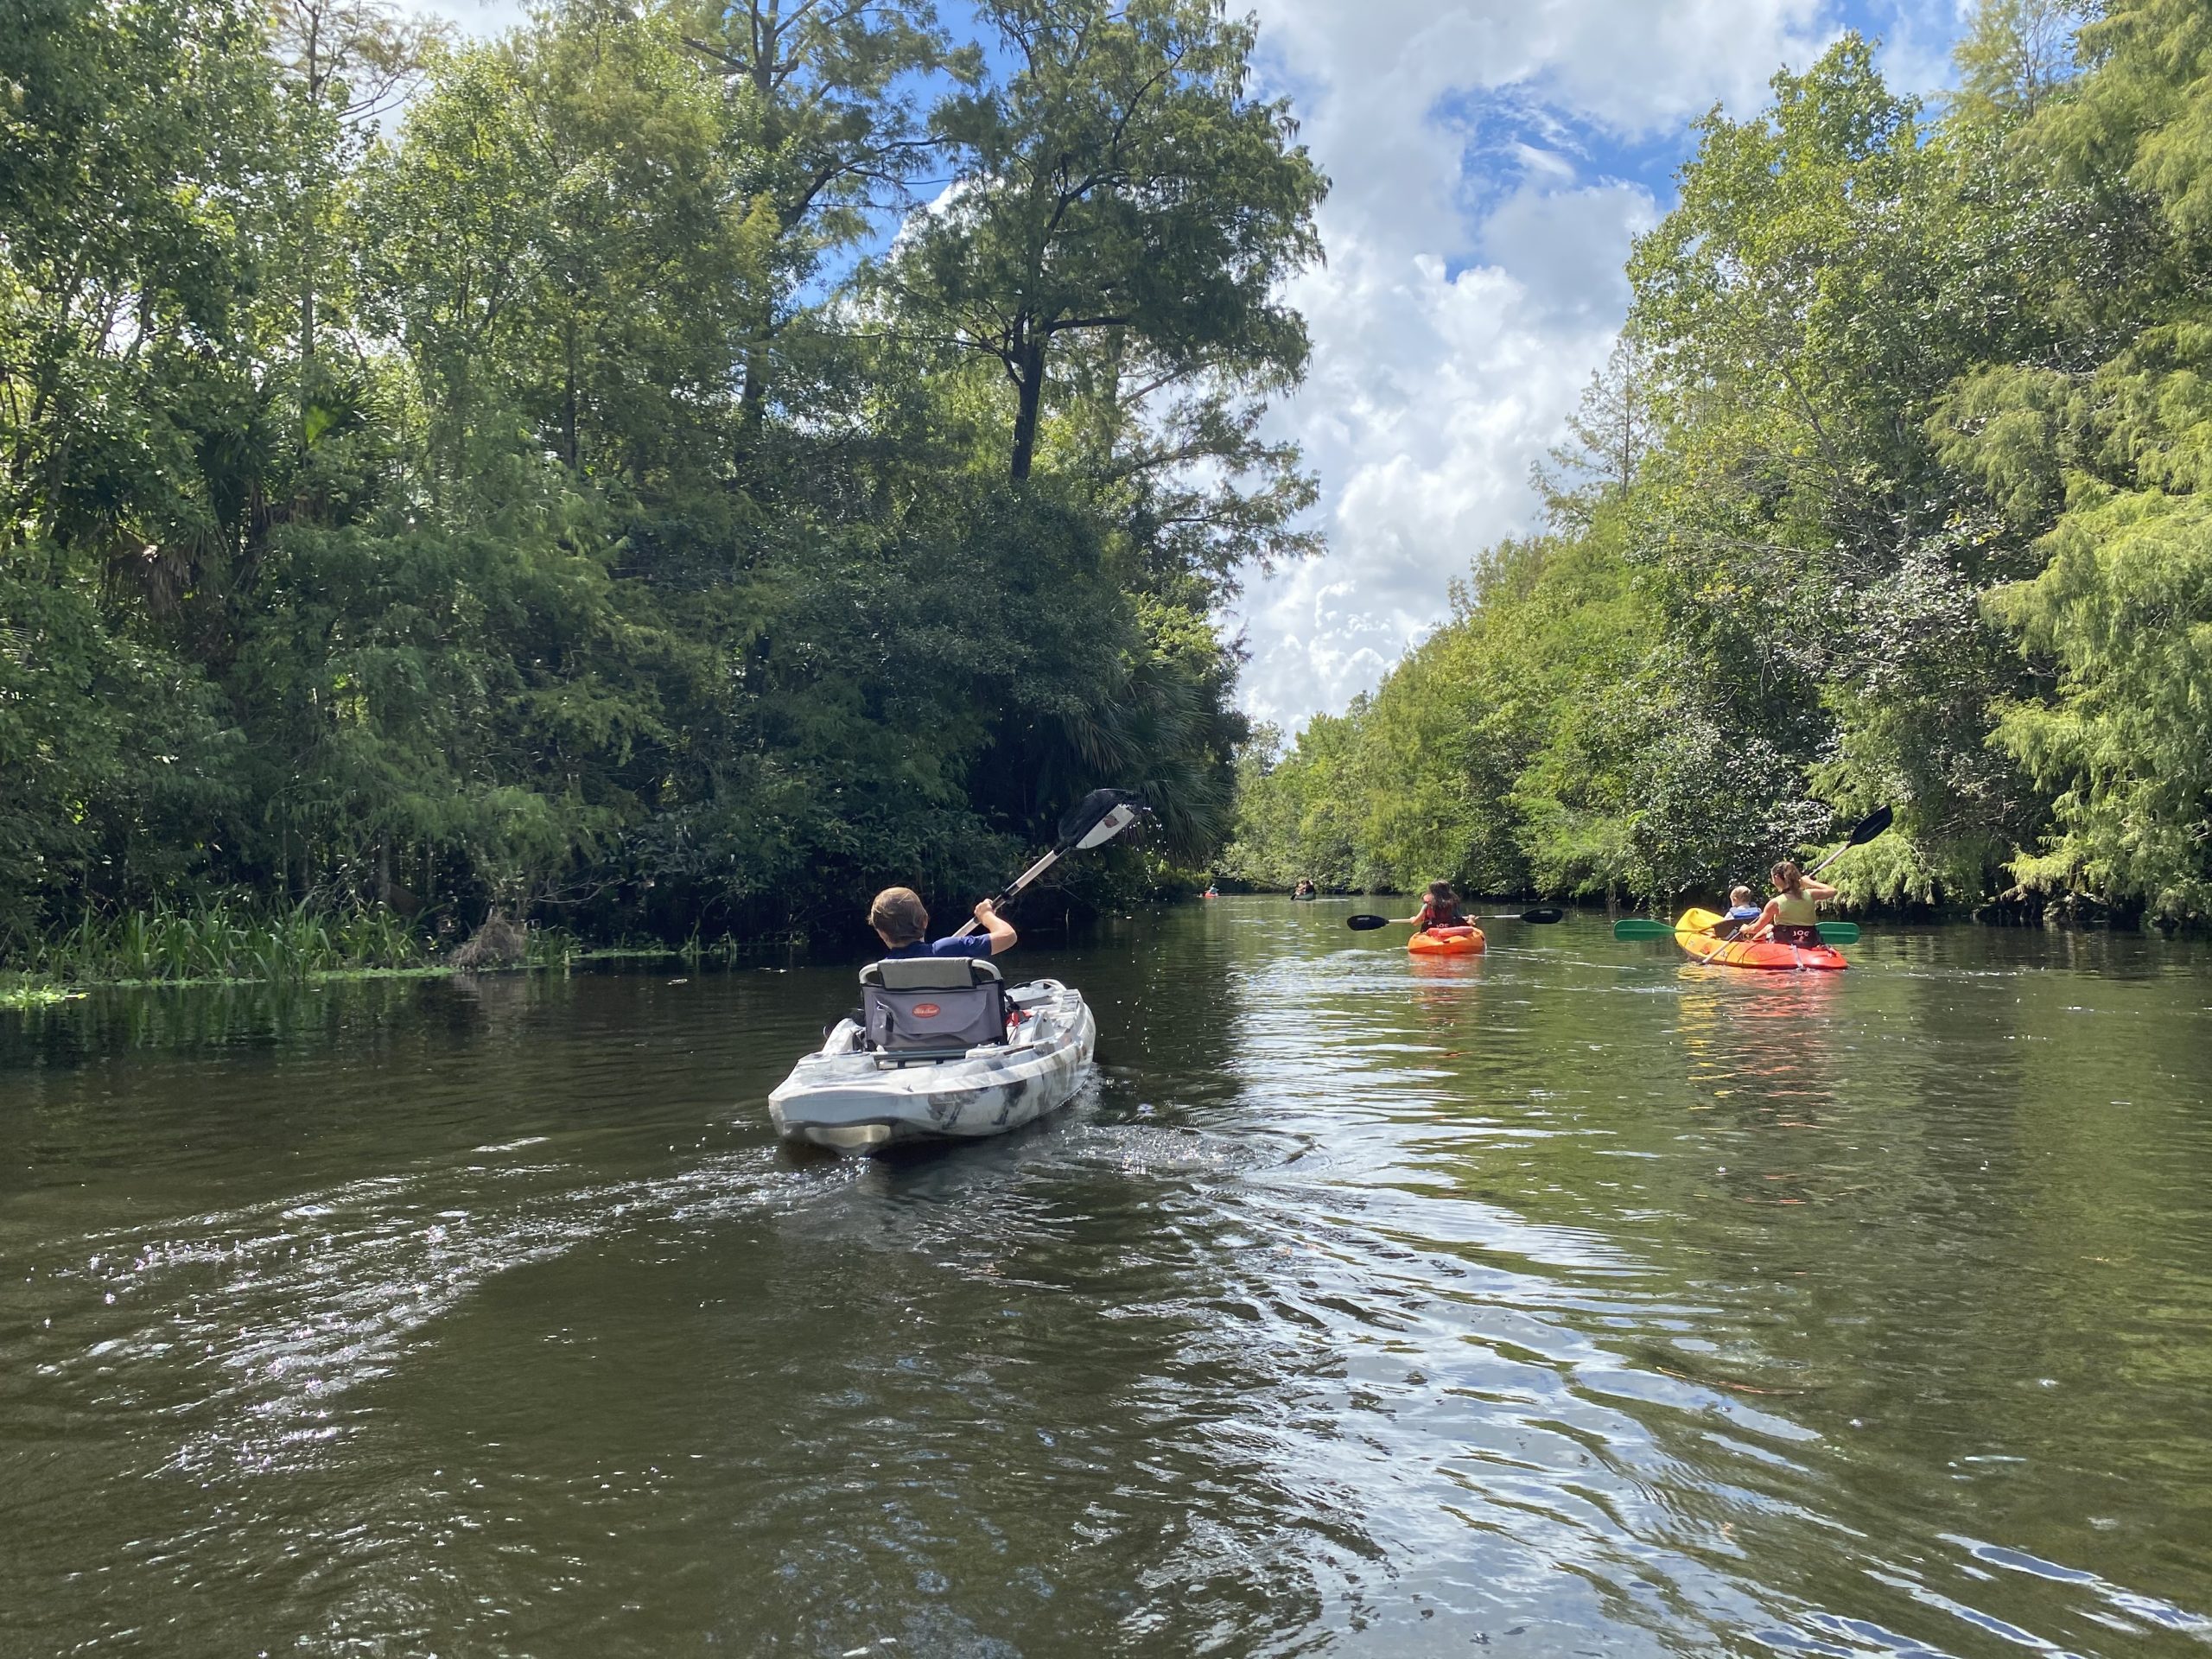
(1740, 910)
(900, 922)
(1793, 915)
(1439, 908)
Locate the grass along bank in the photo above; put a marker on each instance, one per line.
(229, 941)
(234, 943)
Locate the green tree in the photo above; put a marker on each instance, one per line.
(2106, 463)
(2124, 614)
(825, 125)
(2016, 53)
(1121, 180)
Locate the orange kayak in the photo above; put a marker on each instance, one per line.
(1446, 941)
(1694, 933)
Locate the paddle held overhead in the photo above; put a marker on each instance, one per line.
(1092, 821)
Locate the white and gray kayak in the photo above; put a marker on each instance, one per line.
(849, 1096)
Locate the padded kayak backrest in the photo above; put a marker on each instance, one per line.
(932, 1004)
(928, 973)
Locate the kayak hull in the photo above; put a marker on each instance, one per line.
(1446, 941)
(1694, 933)
(847, 1096)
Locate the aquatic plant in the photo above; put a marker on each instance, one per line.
(16, 994)
(223, 940)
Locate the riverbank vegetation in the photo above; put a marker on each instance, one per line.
(1895, 491)
(441, 477)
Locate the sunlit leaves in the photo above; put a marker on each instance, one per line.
(2125, 614)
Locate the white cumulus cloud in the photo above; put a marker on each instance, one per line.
(1475, 238)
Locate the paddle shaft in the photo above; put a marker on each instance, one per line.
(1830, 859)
(1100, 826)
(1636, 927)
(1866, 829)
(1014, 887)
(1366, 924)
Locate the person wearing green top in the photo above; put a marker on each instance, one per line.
(1793, 915)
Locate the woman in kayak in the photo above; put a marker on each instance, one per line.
(1793, 915)
(1440, 908)
(901, 922)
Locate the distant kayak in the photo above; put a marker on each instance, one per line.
(1446, 941)
(1694, 933)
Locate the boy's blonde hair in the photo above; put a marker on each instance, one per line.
(1740, 895)
(899, 915)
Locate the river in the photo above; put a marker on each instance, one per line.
(1572, 1300)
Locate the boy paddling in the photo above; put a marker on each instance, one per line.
(902, 922)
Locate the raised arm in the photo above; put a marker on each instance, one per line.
(996, 927)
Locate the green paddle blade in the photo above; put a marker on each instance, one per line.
(1638, 927)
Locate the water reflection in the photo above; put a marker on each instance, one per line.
(1573, 1298)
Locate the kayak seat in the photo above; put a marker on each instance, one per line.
(921, 1008)
(929, 973)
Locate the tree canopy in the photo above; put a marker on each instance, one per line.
(1892, 495)
(534, 498)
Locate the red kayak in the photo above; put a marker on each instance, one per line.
(1694, 933)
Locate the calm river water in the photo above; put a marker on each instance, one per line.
(1569, 1300)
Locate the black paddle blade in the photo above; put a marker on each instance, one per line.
(1870, 826)
(1544, 915)
(1084, 815)
(1366, 924)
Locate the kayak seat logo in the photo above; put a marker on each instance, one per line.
(927, 1010)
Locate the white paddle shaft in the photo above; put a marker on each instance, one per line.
(1110, 825)
(1020, 882)
(1830, 859)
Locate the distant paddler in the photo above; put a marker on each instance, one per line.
(1440, 908)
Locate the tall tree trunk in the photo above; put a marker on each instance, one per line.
(310, 243)
(753, 396)
(568, 400)
(1031, 380)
